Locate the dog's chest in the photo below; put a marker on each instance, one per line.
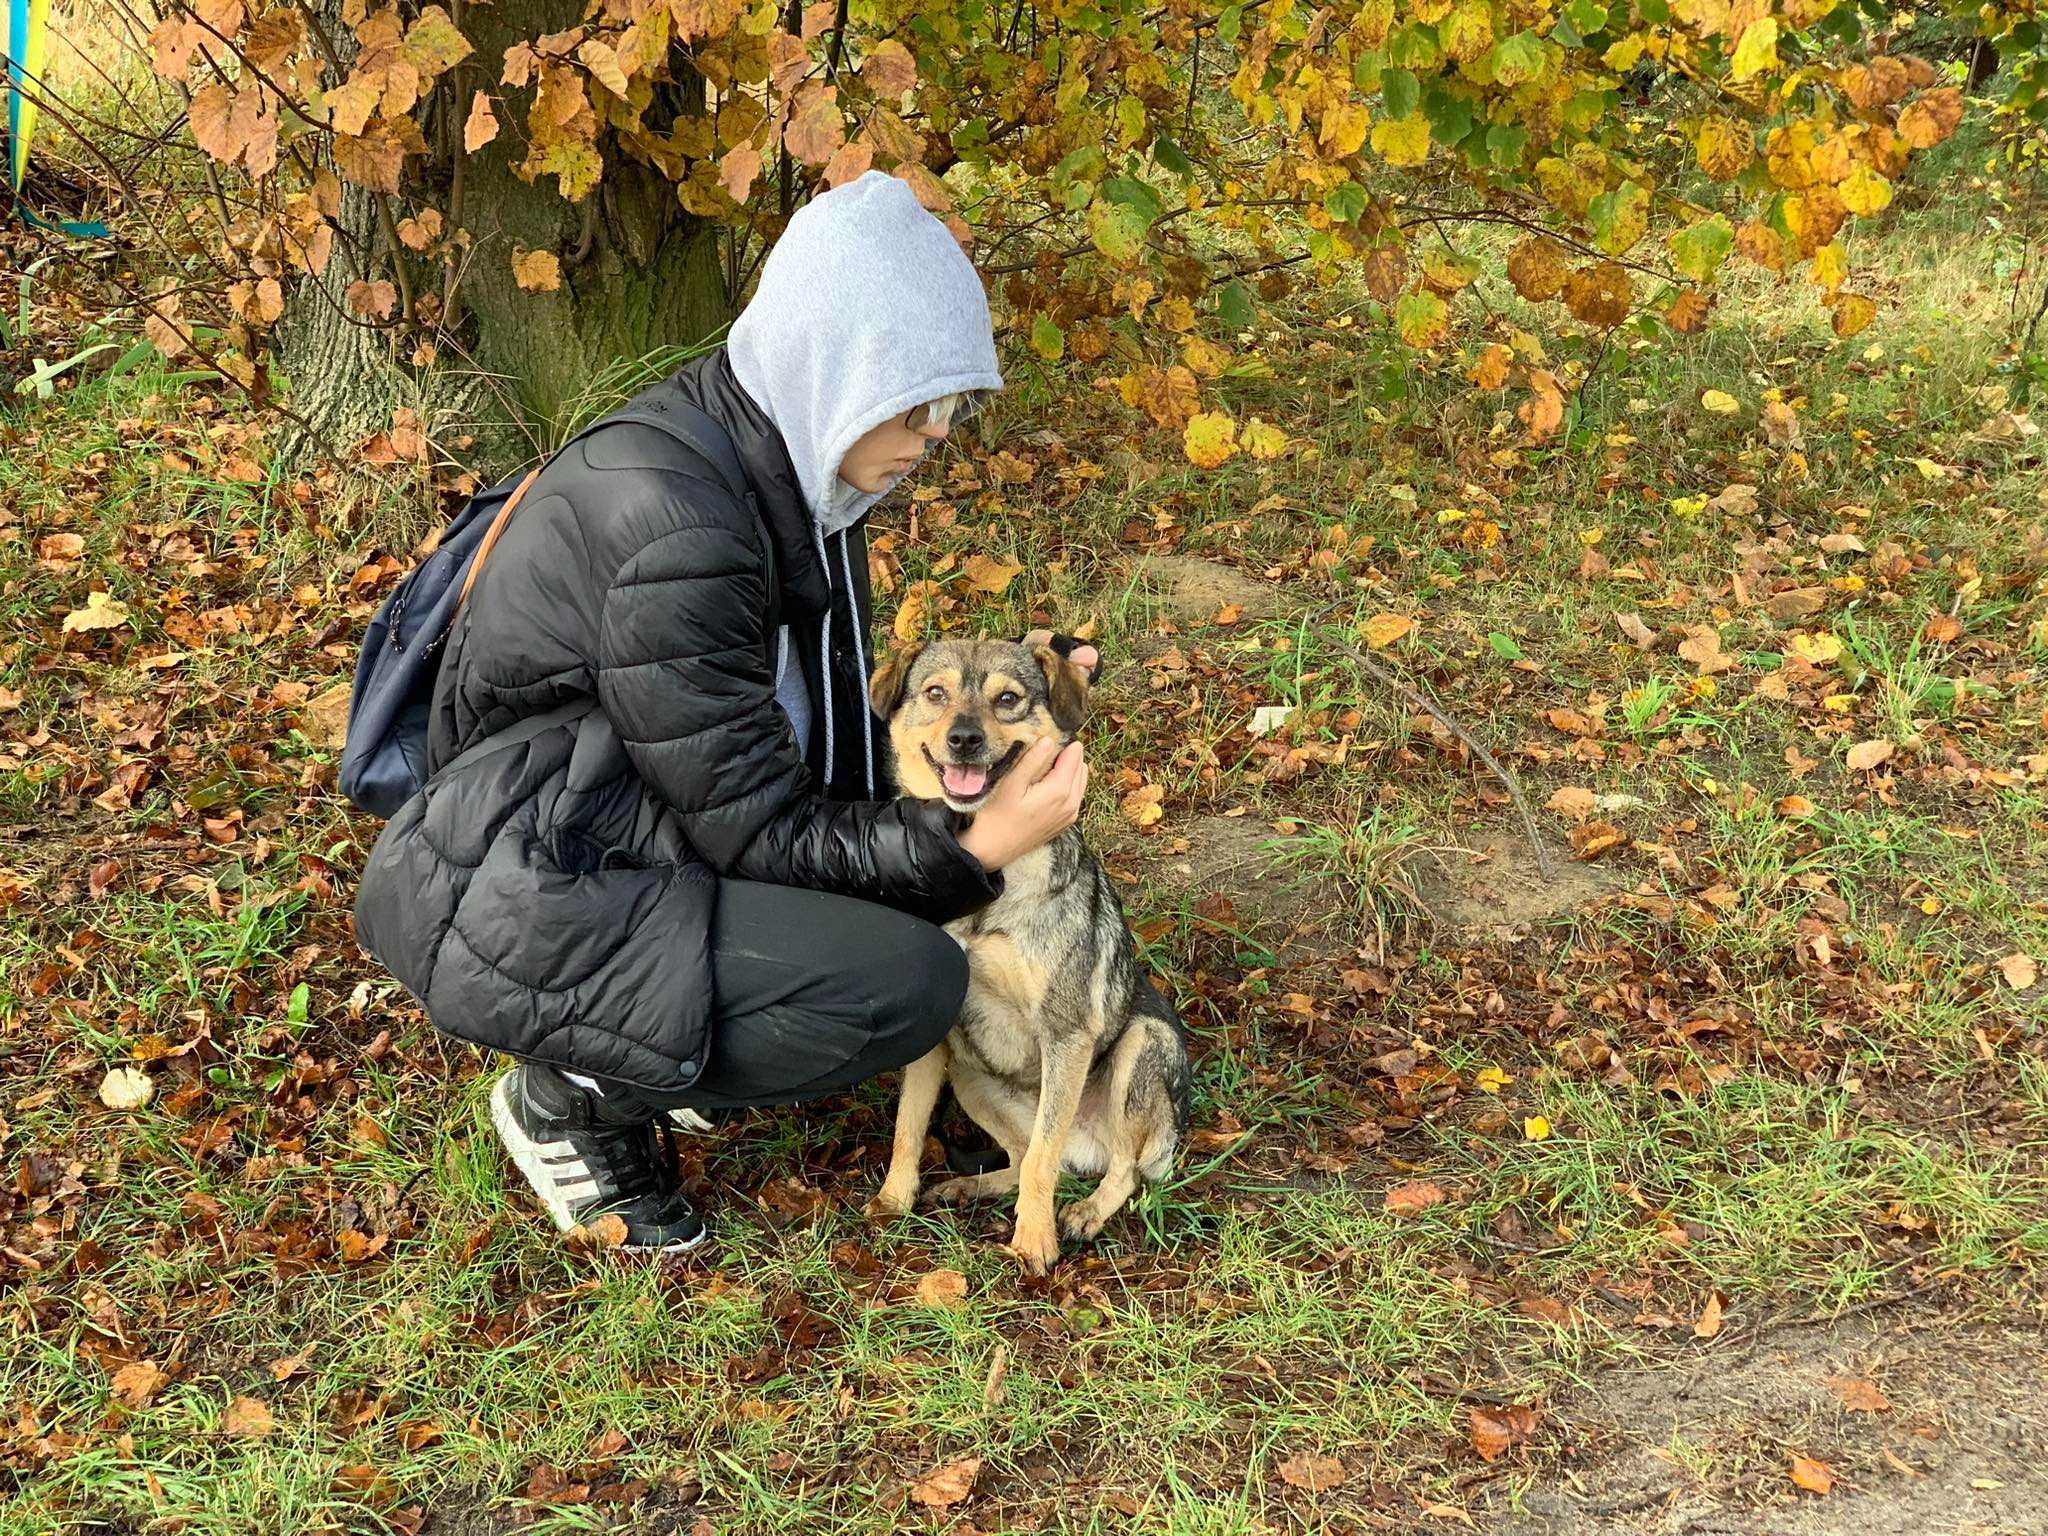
(1006, 983)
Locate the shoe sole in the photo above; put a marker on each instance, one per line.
(527, 1156)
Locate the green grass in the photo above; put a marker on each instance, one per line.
(1776, 1057)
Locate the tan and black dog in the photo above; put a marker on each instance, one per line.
(1065, 1053)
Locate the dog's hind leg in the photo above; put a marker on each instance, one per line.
(922, 1080)
(1063, 1077)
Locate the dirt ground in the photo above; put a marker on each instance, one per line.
(1945, 1437)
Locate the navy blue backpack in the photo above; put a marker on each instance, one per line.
(384, 758)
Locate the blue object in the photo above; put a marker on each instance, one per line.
(24, 27)
(384, 758)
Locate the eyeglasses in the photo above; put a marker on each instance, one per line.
(946, 411)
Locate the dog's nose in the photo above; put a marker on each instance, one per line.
(965, 738)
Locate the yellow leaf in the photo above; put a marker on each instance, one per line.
(1724, 148)
(130, 1088)
(1757, 51)
(987, 574)
(1383, 629)
(1144, 806)
(1344, 128)
(1210, 439)
(1830, 265)
(1816, 649)
(1852, 311)
(1864, 192)
(101, 611)
(1536, 1128)
(1402, 141)
(1490, 1080)
(1719, 402)
(1262, 440)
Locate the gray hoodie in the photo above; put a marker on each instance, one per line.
(866, 308)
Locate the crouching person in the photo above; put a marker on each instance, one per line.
(679, 882)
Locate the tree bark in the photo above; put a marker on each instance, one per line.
(637, 274)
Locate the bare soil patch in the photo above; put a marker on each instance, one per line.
(1495, 890)
(1232, 856)
(1191, 590)
(1948, 1445)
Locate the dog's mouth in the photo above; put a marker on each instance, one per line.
(966, 785)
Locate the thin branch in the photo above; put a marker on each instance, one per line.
(1418, 700)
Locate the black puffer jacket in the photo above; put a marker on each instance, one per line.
(554, 899)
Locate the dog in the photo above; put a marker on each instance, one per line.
(1065, 1052)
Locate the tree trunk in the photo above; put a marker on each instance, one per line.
(638, 274)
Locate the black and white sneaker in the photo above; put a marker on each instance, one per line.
(583, 1164)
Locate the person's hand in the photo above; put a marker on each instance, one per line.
(1036, 801)
(1082, 654)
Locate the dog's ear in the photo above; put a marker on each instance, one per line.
(885, 688)
(1067, 685)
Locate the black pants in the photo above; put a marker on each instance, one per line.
(815, 993)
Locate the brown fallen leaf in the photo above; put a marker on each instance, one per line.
(1415, 1197)
(1311, 1472)
(608, 1231)
(998, 1376)
(947, 1485)
(1813, 1476)
(137, 1384)
(1709, 1322)
(1495, 1431)
(1640, 634)
(1859, 1394)
(1796, 603)
(1573, 801)
(943, 1288)
(1867, 755)
(248, 1418)
(2019, 970)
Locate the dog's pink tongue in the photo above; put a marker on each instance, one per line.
(964, 783)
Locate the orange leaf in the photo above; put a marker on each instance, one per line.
(1867, 755)
(1314, 1473)
(948, 1485)
(1415, 1197)
(1813, 1476)
(1859, 1395)
(482, 126)
(536, 271)
(248, 1418)
(944, 1289)
(1709, 1322)
(137, 1384)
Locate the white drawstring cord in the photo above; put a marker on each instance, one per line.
(860, 654)
(825, 645)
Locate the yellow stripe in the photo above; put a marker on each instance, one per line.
(34, 50)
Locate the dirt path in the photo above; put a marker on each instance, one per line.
(1951, 1444)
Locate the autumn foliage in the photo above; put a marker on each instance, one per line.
(1136, 178)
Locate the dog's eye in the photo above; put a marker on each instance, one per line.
(935, 694)
(1009, 698)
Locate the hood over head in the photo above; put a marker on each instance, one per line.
(866, 307)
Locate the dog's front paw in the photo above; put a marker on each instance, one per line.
(892, 1201)
(1080, 1221)
(1036, 1246)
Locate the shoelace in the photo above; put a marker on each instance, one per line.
(644, 1156)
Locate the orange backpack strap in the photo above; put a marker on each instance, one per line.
(497, 527)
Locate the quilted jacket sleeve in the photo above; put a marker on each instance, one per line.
(683, 676)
